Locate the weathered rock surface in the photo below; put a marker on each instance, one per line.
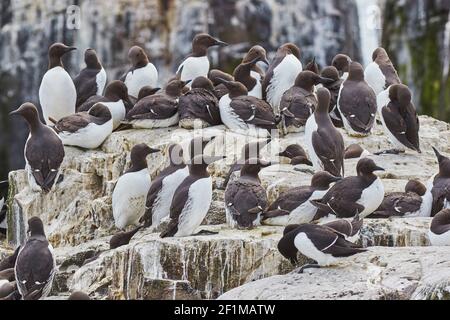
(379, 274)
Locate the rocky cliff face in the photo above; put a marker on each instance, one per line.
(164, 28)
(79, 223)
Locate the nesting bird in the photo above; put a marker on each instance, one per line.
(300, 101)
(355, 151)
(399, 118)
(91, 81)
(439, 233)
(159, 110)
(416, 201)
(128, 198)
(242, 113)
(322, 244)
(87, 130)
(357, 103)
(439, 185)
(246, 198)
(294, 206)
(44, 151)
(296, 154)
(142, 72)
(35, 266)
(334, 88)
(197, 64)
(381, 74)
(281, 75)
(353, 196)
(324, 142)
(116, 99)
(200, 106)
(57, 92)
(217, 77)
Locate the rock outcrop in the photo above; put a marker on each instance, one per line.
(79, 223)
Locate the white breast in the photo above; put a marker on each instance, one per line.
(375, 77)
(161, 207)
(128, 199)
(283, 79)
(57, 95)
(2, 202)
(153, 124)
(118, 112)
(101, 82)
(90, 137)
(196, 207)
(306, 211)
(371, 198)
(442, 240)
(146, 76)
(256, 91)
(425, 208)
(307, 248)
(310, 128)
(229, 117)
(194, 67)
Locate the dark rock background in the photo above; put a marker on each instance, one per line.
(165, 28)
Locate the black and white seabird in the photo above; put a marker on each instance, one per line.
(249, 151)
(116, 99)
(4, 185)
(115, 91)
(44, 151)
(324, 142)
(381, 74)
(399, 118)
(281, 74)
(91, 81)
(200, 106)
(313, 66)
(244, 74)
(294, 206)
(439, 185)
(256, 52)
(416, 201)
(159, 110)
(128, 198)
(355, 151)
(296, 154)
(300, 101)
(246, 198)
(354, 196)
(349, 229)
(57, 93)
(123, 238)
(197, 64)
(192, 199)
(342, 63)
(322, 244)
(163, 188)
(357, 103)
(334, 88)
(245, 114)
(35, 266)
(439, 233)
(142, 73)
(87, 130)
(216, 77)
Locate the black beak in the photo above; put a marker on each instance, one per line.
(438, 154)
(221, 43)
(154, 150)
(283, 154)
(337, 179)
(378, 169)
(323, 80)
(69, 49)
(186, 82)
(222, 80)
(265, 61)
(14, 113)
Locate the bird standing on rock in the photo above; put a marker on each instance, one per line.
(281, 75)
(399, 118)
(141, 74)
(357, 103)
(439, 185)
(35, 266)
(128, 199)
(57, 93)
(324, 142)
(197, 64)
(381, 73)
(92, 80)
(439, 233)
(334, 88)
(246, 198)
(44, 151)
